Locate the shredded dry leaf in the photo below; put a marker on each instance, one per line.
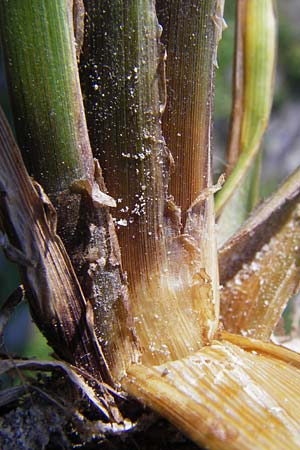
(259, 266)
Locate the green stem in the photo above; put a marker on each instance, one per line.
(40, 57)
(252, 108)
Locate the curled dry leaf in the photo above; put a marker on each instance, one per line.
(52, 288)
(77, 377)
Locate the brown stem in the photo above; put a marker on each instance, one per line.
(189, 36)
(122, 72)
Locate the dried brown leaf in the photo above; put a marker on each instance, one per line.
(72, 373)
(259, 266)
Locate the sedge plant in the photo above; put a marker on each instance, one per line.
(115, 235)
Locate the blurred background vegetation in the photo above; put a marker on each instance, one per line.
(282, 140)
(281, 147)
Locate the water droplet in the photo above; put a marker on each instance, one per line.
(122, 222)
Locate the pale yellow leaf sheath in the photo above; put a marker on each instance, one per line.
(234, 393)
(224, 397)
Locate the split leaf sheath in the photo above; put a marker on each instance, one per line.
(172, 273)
